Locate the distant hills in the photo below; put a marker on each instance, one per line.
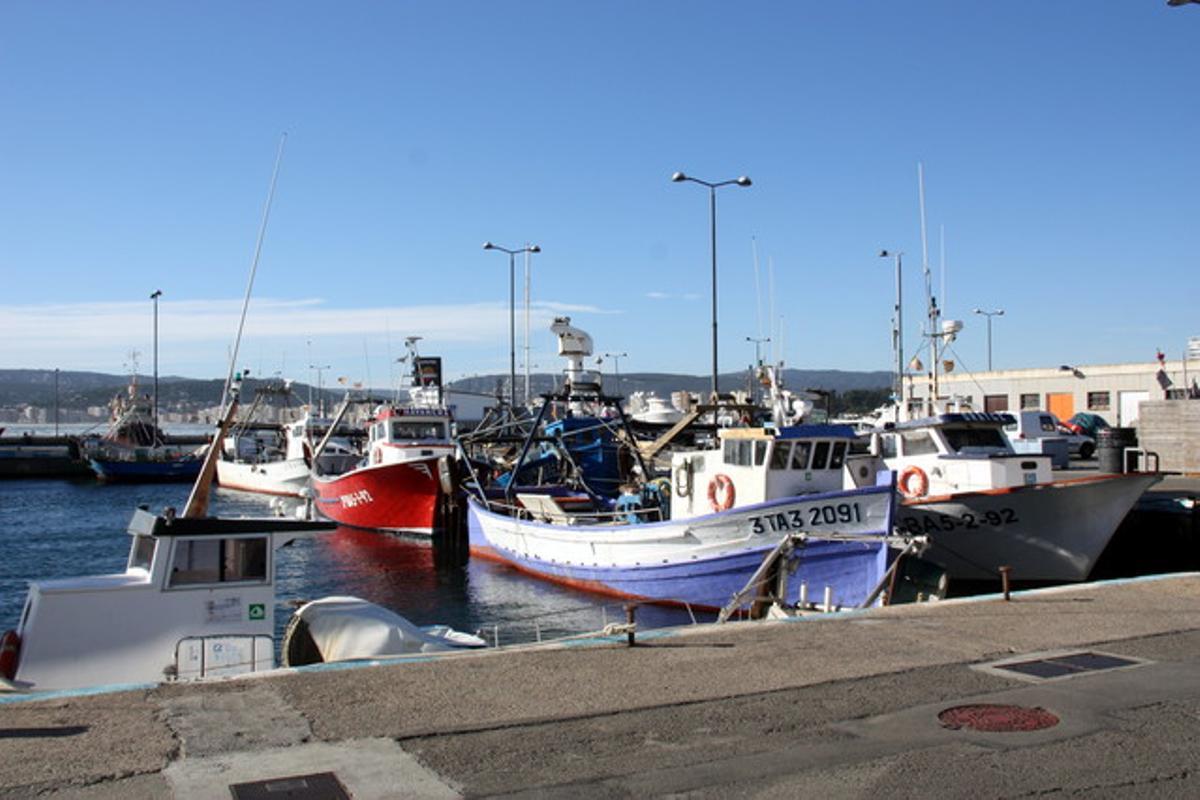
(79, 390)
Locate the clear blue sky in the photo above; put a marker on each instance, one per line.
(1058, 142)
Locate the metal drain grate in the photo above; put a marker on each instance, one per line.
(318, 786)
(1066, 665)
(1057, 665)
(991, 718)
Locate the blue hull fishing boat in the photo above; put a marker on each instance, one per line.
(762, 516)
(700, 562)
(182, 468)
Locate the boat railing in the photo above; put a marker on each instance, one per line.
(545, 508)
(245, 653)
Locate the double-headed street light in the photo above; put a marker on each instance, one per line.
(999, 312)
(679, 177)
(616, 359)
(512, 312)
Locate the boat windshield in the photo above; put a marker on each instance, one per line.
(975, 440)
(142, 552)
(409, 430)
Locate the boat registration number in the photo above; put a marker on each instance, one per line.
(361, 497)
(933, 523)
(798, 519)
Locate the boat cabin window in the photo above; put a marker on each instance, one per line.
(141, 553)
(820, 455)
(887, 445)
(838, 457)
(738, 452)
(780, 455)
(406, 430)
(918, 443)
(965, 440)
(219, 561)
(800, 455)
(760, 453)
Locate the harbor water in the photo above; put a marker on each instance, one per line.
(65, 528)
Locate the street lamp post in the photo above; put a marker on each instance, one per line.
(320, 390)
(757, 348)
(679, 177)
(616, 357)
(999, 312)
(897, 333)
(157, 294)
(512, 313)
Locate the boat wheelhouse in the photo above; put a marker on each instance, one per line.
(755, 465)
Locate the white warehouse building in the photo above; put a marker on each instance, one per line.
(1114, 391)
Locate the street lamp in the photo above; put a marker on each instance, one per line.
(757, 345)
(616, 357)
(999, 312)
(157, 294)
(679, 177)
(897, 331)
(512, 313)
(320, 390)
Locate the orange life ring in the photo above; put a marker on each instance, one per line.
(721, 493)
(10, 648)
(906, 479)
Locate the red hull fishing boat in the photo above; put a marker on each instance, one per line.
(396, 486)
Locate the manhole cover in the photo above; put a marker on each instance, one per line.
(318, 786)
(997, 718)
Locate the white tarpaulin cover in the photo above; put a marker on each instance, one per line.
(345, 628)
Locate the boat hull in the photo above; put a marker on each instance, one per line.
(281, 478)
(700, 562)
(1045, 532)
(393, 497)
(184, 469)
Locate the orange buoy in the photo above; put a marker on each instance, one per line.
(721, 493)
(911, 476)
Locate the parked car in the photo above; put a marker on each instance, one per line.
(1079, 444)
(1087, 424)
(1038, 432)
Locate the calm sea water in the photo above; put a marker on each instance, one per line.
(61, 528)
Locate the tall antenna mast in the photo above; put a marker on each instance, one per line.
(945, 304)
(771, 304)
(930, 300)
(757, 287)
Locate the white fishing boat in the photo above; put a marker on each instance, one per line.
(282, 464)
(984, 506)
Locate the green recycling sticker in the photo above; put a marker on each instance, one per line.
(258, 611)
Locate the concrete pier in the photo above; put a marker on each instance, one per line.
(834, 706)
